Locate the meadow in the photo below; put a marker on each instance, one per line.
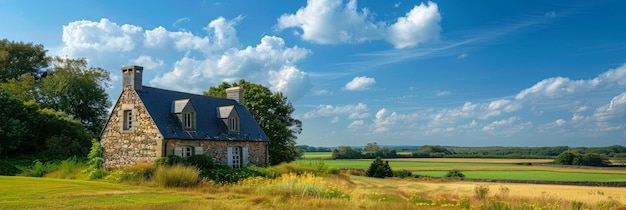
(317, 184)
(517, 169)
(304, 191)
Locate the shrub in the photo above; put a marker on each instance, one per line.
(169, 160)
(137, 172)
(68, 168)
(225, 174)
(402, 173)
(379, 169)
(7, 168)
(37, 169)
(177, 176)
(199, 161)
(94, 165)
(455, 174)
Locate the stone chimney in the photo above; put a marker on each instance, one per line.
(131, 76)
(235, 93)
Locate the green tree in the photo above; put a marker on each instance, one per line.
(273, 113)
(346, 152)
(18, 58)
(70, 87)
(566, 158)
(14, 118)
(379, 169)
(371, 147)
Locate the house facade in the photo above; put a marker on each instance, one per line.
(147, 123)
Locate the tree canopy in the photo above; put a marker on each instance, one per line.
(18, 58)
(70, 87)
(273, 113)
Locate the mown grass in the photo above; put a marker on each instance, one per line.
(48, 193)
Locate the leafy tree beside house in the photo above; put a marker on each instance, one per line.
(273, 113)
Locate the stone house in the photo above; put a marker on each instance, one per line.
(147, 123)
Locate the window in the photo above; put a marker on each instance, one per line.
(128, 119)
(187, 152)
(233, 125)
(187, 120)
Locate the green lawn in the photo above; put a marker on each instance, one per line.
(62, 194)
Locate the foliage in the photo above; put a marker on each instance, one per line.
(432, 151)
(169, 160)
(573, 158)
(18, 58)
(370, 151)
(225, 174)
(68, 87)
(200, 161)
(273, 113)
(402, 173)
(379, 169)
(136, 173)
(177, 176)
(68, 169)
(37, 169)
(346, 152)
(455, 174)
(307, 148)
(94, 165)
(15, 118)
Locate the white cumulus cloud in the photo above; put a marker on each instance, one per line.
(333, 22)
(354, 111)
(360, 83)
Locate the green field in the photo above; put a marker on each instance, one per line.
(481, 168)
(36, 193)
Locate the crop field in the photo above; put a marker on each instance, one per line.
(518, 169)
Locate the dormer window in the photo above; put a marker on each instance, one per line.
(230, 117)
(185, 113)
(233, 125)
(188, 120)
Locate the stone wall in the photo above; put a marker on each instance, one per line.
(141, 143)
(218, 150)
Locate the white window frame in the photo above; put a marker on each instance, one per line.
(128, 119)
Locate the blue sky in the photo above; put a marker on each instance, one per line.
(458, 73)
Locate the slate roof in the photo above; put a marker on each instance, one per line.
(158, 102)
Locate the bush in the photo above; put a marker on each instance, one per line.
(68, 168)
(37, 169)
(379, 169)
(402, 173)
(225, 174)
(199, 161)
(455, 174)
(138, 172)
(177, 176)
(169, 160)
(94, 165)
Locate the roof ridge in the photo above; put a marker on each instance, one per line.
(181, 92)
